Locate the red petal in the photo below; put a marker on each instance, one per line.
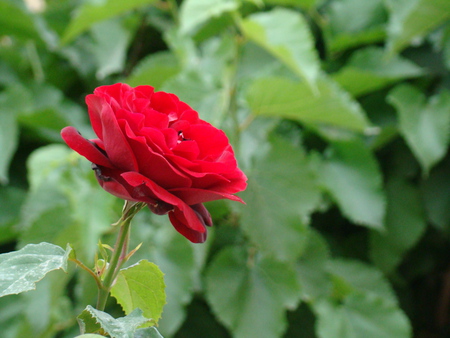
(116, 145)
(194, 196)
(84, 147)
(145, 187)
(154, 165)
(178, 221)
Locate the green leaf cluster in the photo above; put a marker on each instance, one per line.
(339, 114)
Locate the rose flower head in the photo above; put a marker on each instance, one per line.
(153, 148)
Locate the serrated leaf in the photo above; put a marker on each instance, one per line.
(148, 332)
(282, 97)
(141, 286)
(352, 177)
(410, 20)
(195, 12)
(90, 13)
(361, 316)
(350, 23)
(278, 206)
(92, 320)
(258, 290)
(21, 270)
(285, 34)
(424, 125)
(368, 70)
(405, 224)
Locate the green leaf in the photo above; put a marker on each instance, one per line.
(405, 224)
(9, 129)
(11, 199)
(65, 203)
(258, 290)
(92, 320)
(90, 13)
(9, 137)
(412, 20)
(311, 268)
(352, 177)
(111, 46)
(350, 23)
(155, 69)
(141, 286)
(278, 206)
(424, 125)
(353, 277)
(196, 12)
(21, 270)
(368, 70)
(148, 332)
(307, 4)
(16, 21)
(361, 316)
(436, 197)
(285, 34)
(281, 97)
(176, 257)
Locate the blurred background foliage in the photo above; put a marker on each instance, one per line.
(339, 112)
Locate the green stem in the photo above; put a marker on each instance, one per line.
(119, 254)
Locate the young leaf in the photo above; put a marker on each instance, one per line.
(90, 13)
(368, 70)
(92, 320)
(424, 125)
(286, 35)
(21, 270)
(141, 286)
(278, 206)
(282, 97)
(258, 290)
(410, 20)
(352, 176)
(405, 224)
(195, 12)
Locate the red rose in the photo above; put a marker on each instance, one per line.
(153, 148)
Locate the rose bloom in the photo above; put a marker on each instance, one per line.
(153, 148)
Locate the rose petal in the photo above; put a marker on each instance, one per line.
(203, 213)
(178, 221)
(145, 187)
(116, 146)
(84, 147)
(111, 181)
(194, 196)
(155, 165)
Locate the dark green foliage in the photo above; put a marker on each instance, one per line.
(339, 113)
